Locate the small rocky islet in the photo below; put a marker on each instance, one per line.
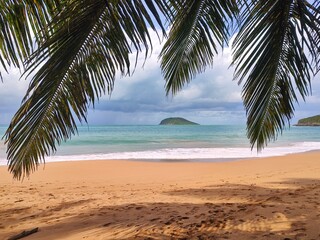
(177, 121)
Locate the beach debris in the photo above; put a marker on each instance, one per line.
(24, 234)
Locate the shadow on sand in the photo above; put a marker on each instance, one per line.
(228, 211)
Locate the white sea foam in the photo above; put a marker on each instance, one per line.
(196, 154)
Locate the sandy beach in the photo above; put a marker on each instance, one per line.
(269, 198)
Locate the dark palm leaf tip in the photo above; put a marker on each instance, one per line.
(20, 20)
(84, 52)
(315, 35)
(199, 27)
(14, 37)
(269, 51)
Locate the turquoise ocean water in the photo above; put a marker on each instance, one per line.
(174, 143)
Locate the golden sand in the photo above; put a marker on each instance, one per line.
(270, 198)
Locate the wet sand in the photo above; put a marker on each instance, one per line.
(269, 198)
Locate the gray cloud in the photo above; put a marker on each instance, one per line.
(143, 94)
(145, 106)
(12, 90)
(211, 98)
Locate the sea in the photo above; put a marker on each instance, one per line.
(167, 143)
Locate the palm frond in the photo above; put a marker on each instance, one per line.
(20, 20)
(270, 54)
(315, 35)
(90, 41)
(199, 27)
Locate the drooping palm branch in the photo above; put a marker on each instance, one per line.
(19, 20)
(90, 41)
(199, 28)
(271, 55)
(315, 36)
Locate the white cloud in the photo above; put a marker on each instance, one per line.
(190, 93)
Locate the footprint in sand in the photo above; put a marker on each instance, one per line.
(300, 236)
(154, 219)
(106, 224)
(169, 222)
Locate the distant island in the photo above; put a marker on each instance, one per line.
(177, 121)
(310, 121)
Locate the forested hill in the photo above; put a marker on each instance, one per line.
(310, 121)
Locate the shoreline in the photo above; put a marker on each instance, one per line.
(66, 158)
(264, 198)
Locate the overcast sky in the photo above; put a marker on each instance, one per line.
(211, 98)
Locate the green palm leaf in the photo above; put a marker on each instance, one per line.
(19, 21)
(315, 35)
(199, 27)
(90, 41)
(270, 51)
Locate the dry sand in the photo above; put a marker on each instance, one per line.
(271, 198)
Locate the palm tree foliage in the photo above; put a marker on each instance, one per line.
(19, 20)
(271, 55)
(74, 48)
(198, 27)
(89, 41)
